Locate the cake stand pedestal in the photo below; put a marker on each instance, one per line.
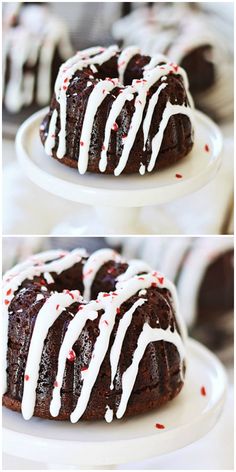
(98, 445)
(117, 200)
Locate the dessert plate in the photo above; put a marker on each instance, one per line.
(187, 176)
(101, 445)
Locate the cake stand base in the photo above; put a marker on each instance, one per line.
(97, 445)
(117, 199)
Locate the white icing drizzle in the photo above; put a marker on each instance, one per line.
(109, 414)
(148, 335)
(124, 58)
(25, 44)
(74, 329)
(45, 319)
(49, 279)
(110, 303)
(92, 266)
(136, 266)
(95, 99)
(142, 169)
(138, 91)
(126, 94)
(120, 335)
(51, 137)
(148, 118)
(139, 104)
(169, 111)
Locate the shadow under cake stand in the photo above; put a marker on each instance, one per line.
(99, 445)
(113, 203)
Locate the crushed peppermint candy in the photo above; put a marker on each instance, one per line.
(203, 391)
(115, 126)
(178, 176)
(206, 147)
(159, 426)
(71, 356)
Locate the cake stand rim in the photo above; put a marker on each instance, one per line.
(119, 197)
(149, 443)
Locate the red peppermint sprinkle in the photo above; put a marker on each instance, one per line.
(66, 80)
(71, 356)
(206, 147)
(175, 66)
(84, 368)
(26, 378)
(106, 295)
(57, 307)
(160, 279)
(118, 311)
(140, 278)
(115, 126)
(203, 391)
(9, 291)
(55, 383)
(159, 426)
(42, 282)
(154, 284)
(6, 302)
(64, 87)
(106, 322)
(124, 136)
(178, 176)
(81, 143)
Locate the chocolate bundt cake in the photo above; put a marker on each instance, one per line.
(119, 111)
(118, 350)
(35, 43)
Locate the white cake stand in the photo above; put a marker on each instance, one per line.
(117, 200)
(62, 445)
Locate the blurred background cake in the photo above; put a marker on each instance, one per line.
(35, 43)
(192, 38)
(203, 271)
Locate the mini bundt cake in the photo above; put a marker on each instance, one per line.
(35, 43)
(119, 111)
(117, 350)
(193, 38)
